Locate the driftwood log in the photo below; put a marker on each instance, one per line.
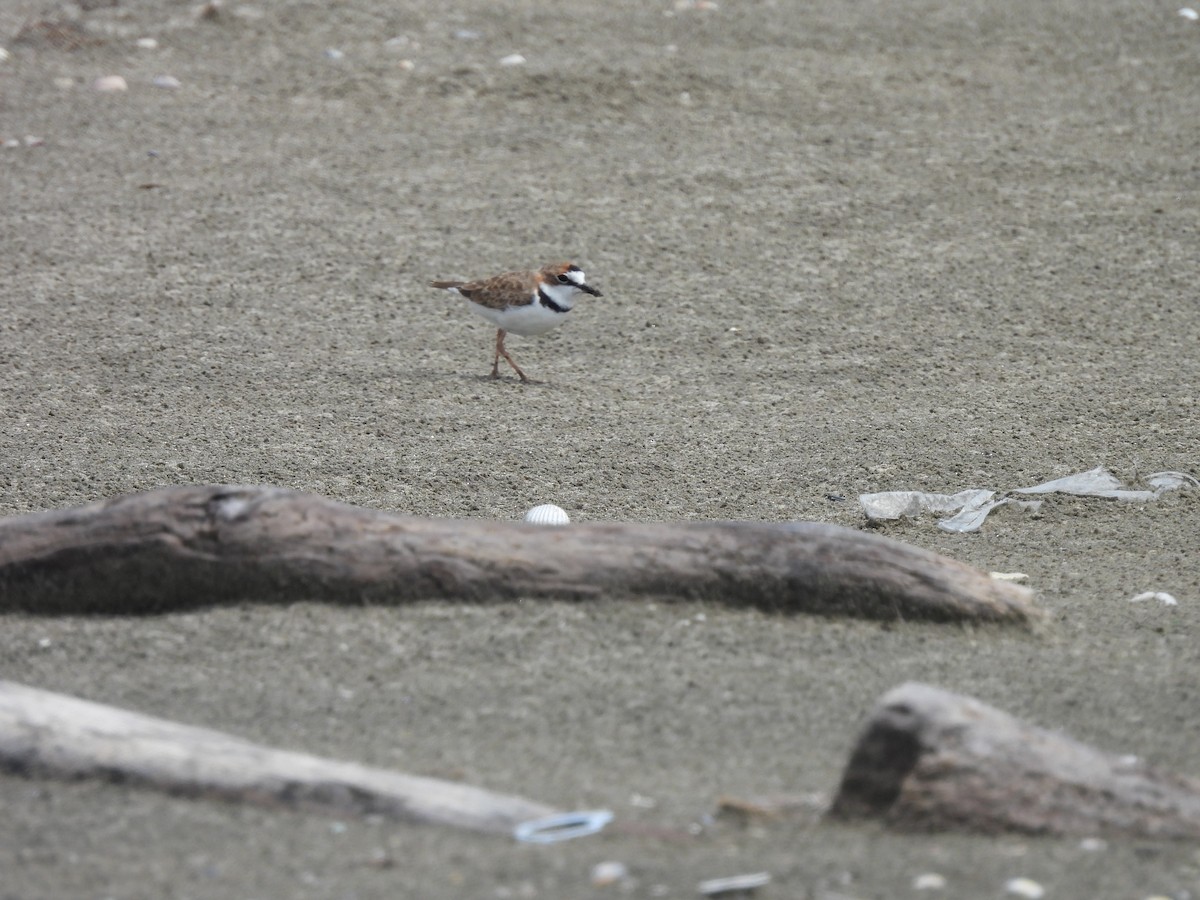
(48, 734)
(182, 547)
(932, 760)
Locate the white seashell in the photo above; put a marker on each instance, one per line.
(513, 59)
(547, 514)
(1188, 13)
(929, 881)
(734, 884)
(1014, 577)
(1161, 596)
(167, 82)
(1025, 887)
(147, 43)
(4, 54)
(609, 872)
(109, 83)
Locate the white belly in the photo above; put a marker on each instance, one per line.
(522, 320)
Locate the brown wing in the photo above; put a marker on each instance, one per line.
(498, 292)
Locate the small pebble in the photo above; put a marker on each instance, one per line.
(334, 53)
(4, 54)
(1188, 13)
(929, 881)
(11, 143)
(407, 65)
(147, 43)
(1025, 887)
(468, 34)
(513, 59)
(609, 872)
(43, 643)
(1093, 845)
(108, 84)
(167, 82)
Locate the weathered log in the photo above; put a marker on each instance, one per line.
(48, 734)
(930, 759)
(181, 547)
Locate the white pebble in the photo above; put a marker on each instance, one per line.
(1161, 596)
(167, 82)
(609, 872)
(147, 43)
(1188, 13)
(11, 143)
(1093, 845)
(1025, 887)
(929, 881)
(44, 642)
(513, 59)
(547, 514)
(4, 54)
(110, 83)
(334, 53)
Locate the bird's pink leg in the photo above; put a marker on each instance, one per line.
(500, 351)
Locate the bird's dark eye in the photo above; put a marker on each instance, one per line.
(563, 279)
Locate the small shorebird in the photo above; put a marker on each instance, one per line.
(525, 303)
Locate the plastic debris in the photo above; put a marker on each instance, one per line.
(1161, 596)
(733, 884)
(972, 507)
(563, 827)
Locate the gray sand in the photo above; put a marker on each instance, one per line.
(844, 248)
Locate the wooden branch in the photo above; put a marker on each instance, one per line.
(181, 547)
(931, 759)
(43, 733)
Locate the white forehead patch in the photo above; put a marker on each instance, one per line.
(576, 276)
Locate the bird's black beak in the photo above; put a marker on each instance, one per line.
(588, 289)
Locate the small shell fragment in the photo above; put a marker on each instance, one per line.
(1161, 596)
(1025, 887)
(4, 54)
(1014, 577)
(1188, 13)
(147, 43)
(547, 514)
(107, 84)
(513, 59)
(929, 881)
(609, 872)
(167, 82)
(733, 884)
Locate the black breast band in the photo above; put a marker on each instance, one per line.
(547, 302)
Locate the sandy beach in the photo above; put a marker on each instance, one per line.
(844, 248)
